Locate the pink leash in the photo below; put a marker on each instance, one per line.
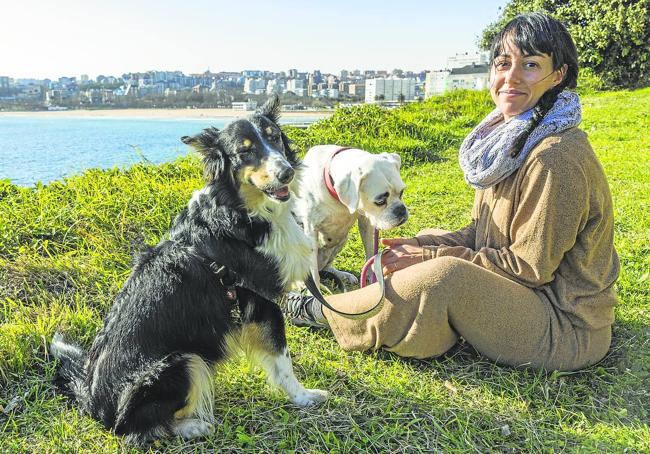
(363, 279)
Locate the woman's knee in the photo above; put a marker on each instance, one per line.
(451, 272)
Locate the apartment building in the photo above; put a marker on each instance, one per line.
(469, 71)
(470, 77)
(389, 89)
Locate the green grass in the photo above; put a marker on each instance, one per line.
(66, 248)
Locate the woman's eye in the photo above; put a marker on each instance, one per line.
(531, 65)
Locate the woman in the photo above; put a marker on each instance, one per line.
(530, 281)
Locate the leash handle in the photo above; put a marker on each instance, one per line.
(315, 291)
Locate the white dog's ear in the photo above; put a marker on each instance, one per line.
(348, 189)
(394, 158)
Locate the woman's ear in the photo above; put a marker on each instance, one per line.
(559, 77)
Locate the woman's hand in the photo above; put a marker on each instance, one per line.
(402, 253)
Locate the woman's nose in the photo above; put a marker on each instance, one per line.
(513, 74)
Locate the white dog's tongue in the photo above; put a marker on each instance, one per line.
(282, 192)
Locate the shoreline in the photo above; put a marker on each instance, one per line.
(161, 113)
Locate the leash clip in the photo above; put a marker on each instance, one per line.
(231, 293)
(221, 272)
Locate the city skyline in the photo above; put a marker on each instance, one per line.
(71, 38)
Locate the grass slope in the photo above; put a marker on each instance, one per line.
(66, 248)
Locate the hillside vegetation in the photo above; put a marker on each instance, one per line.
(66, 248)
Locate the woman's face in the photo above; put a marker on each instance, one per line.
(518, 81)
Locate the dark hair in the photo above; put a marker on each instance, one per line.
(536, 34)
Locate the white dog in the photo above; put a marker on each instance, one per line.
(363, 187)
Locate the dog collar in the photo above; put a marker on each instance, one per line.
(327, 178)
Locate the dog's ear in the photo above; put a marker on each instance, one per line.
(215, 161)
(204, 141)
(393, 158)
(348, 189)
(271, 108)
(288, 151)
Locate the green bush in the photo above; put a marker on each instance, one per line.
(612, 37)
(418, 132)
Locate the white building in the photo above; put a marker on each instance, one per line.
(332, 93)
(274, 86)
(296, 86)
(390, 89)
(254, 86)
(469, 71)
(244, 105)
(470, 77)
(358, 90)
(468, 58)
(436, 82)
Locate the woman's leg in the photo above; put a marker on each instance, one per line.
(429, 305)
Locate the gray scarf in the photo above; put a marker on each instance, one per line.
(485, 152)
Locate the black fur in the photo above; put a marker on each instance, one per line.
(135, 375)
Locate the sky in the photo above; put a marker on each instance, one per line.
(50, 39)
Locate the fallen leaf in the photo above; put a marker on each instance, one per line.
(13, 403)
(451, 388)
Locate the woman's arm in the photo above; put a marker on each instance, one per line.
(552, 210)
(465, 237)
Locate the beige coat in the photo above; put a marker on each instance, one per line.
(549, 227)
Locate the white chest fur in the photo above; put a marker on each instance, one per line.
(286, 243)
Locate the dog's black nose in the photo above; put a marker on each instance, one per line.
(400, 211)
(286, 175)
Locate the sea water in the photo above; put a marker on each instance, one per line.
(44, 149)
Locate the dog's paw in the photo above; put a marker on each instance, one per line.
(310, 397)
(193, 428)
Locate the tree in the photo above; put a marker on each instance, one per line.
(612, 36)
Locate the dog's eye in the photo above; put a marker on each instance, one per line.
(401, 193)
(381, 200)
(246, 146)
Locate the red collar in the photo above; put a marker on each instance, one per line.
(327, 178)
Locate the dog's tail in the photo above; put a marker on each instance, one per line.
(70, 375)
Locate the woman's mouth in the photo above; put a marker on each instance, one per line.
(511, 92)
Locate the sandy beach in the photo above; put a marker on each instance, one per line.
(162, 113)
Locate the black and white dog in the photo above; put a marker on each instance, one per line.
(230, 253)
